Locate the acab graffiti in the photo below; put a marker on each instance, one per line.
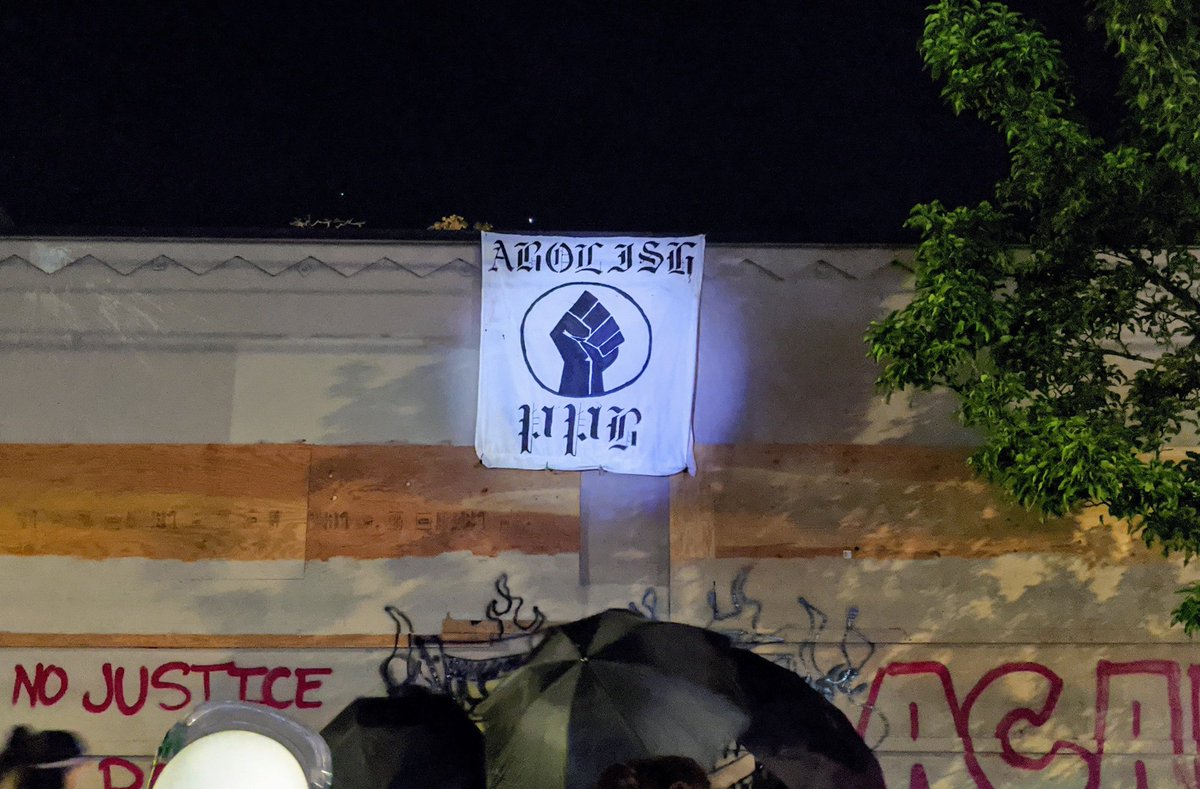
(1139, 714)
(1015, 726)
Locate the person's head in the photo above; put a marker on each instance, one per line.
(38, 760)
(657, 772)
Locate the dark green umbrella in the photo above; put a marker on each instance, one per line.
(607, 689)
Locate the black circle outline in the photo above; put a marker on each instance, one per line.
(649, 334)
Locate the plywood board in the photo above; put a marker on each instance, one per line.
(155, 501)
(374, 502)
(881, 501)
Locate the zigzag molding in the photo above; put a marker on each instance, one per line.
(303, 267)
(828, 264)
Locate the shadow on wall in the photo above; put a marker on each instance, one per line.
(348, 595)
(430, 403)
(784, 360)
(887, 502)
(1003, 604)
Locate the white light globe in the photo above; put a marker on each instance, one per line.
(234, 759)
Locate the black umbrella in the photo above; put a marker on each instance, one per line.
(606, 689)
(412, 738)
(797, 734)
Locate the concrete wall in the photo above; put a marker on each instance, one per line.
(242, 342)
(813, 487)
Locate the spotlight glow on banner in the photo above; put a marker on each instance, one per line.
(588, 352)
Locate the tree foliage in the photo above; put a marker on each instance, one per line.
(1065, 313)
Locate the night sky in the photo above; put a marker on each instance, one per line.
(796, 121)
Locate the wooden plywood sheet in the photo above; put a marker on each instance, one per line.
(156, 501)
(880, 501)
(373, 502)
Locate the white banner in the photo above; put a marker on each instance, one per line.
(588, 352)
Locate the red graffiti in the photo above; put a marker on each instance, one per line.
(114, 683)
(207, 671)
(157, 682)
(960, 713)
(1019, 718)
(268, 688)
(130, 775)
(172, 686)
(1170, 674)
(36, 688)
(305, 685)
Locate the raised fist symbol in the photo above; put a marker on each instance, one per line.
(588, 339)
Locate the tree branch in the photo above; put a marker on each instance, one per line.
(1127, 355)
(1154, 275)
